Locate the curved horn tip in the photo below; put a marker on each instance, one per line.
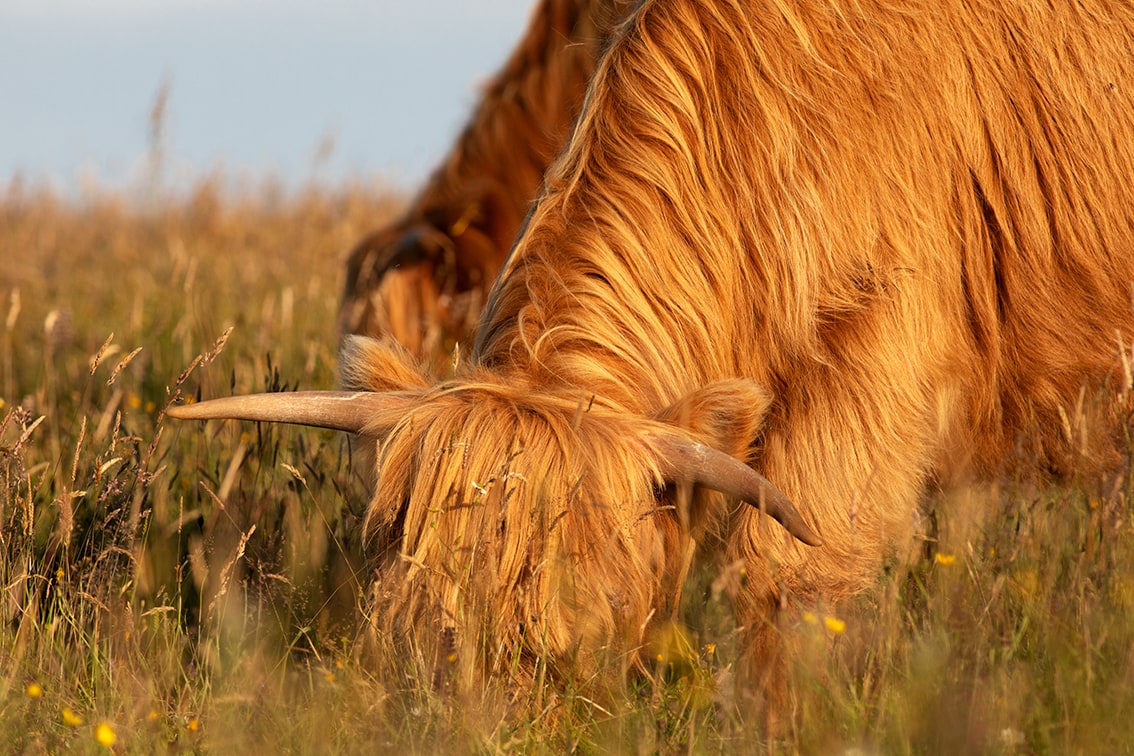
(802, 532)
(685, 459)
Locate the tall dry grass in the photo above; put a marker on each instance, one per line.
(183, 587)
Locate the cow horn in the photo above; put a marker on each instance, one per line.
(684, 460)
(338, 410)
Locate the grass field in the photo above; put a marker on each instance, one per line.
(182, 587)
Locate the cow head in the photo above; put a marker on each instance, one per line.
(423, 280)
(530, 523)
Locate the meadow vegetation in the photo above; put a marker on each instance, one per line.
(182, 587)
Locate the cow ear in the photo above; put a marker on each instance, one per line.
(367, 364)
(727, 415)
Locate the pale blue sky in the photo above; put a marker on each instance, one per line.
(255, 85)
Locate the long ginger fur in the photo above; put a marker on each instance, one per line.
(867, 247)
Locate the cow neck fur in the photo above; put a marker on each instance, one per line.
(771, 191)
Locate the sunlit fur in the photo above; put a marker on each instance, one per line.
(869, 247)
(424, 278)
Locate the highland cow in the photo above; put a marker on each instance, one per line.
(424, 278)
(862, 247)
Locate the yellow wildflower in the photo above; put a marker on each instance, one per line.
(944, 559)
(70, 718)
(835, 625)
(193, 725)
(104, 734)
(34, 690)
(810, 618)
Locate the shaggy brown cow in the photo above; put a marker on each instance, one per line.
(862, 246)
(424, 278)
